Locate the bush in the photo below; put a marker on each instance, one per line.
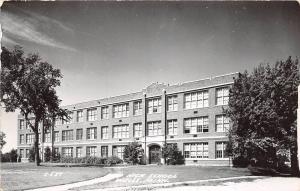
(47, 154)
(113, 160)
(133, 153)
(240, 162)
(172, 154)
(91, 160)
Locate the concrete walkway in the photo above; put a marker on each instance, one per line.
(78, 184)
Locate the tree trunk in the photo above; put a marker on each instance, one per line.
(52, 139)
(294, 163)
(36, 148)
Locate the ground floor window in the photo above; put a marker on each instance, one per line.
(27, 153)
(78, 152)
(221, 150)
(118, 151)
(196, 150)
(91, 151)
(67, 151)
(21, 153)
(104, 151)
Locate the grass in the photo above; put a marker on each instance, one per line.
(20, 176)
(177, 174)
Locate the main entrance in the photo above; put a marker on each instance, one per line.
(154, 154)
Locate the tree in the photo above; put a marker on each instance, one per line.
(28, 84)
(2, 141)
(172, 154)
(133, 153)
(262, 108)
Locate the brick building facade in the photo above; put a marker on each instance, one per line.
(189, 114)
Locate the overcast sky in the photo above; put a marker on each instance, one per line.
(110, 48)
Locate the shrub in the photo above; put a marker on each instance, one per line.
(113, 160)
(240, 162)
(133, 153)
(47, 154)
(172, 154)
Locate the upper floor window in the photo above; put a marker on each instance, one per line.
(222, 123)
(29, 138)
(137, 128)
(57, 121)
(196, 150)
(196, 100)
(154, 128)
(104, 112)
(47, 137)
(22, 124)
(92, 114)
(172, 103)
(121, 131)
(104, 132)
(121, 110)
(222, 96)
(79, 116)
(22, 139)
(91, 133)
(221, 150)
(137, 108)
(56, 136)
(68, 119)
(196, 125)
(67, 135)
(79, 134)
(154, 105)
(172, 127)
(31, 121)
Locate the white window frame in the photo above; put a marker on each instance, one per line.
(137, 108)
(91, 133)
(199, 99)
(67, 151)
(91, 151)
(104, 132)
(222, 96)
(121, 110)
(196, 150)
(222, 123)
(79, 116)
(121, 131)
(172, 127)
(137, 129)
(154, 128)
(221, 149)
(154, 105)
(172, 103)
(196, 125)
(118, 151)
(92, 114)
(104, 112)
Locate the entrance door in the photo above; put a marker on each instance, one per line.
(154, 154)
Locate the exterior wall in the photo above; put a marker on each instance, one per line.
(154, 90)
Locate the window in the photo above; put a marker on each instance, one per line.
(67, 151)
(57, 122)
(104, 132)
(78, 151)
(121, 131)
(79, 116)
(40, 138)
(67, 120)
(29, 138)
(118, 151)
(21, 153)
(104, 112)
(22, 139)
(91, 151)
(91, 133)
(172, 103)
(56, 152)
(22, 124)
(196, 100)
(222, 123)
(67, 135)
(104, 151)
(221, 150)
(154, 128)
(137, 108)
(196, 125)
(172, 127)
(222, 96)
(92, 114)
(31, 121)
(121, 110)
(27, 153)
(154, 105)
(137, 128)
(79, 134)
(56, 136)
(196, 150)
(47, 137)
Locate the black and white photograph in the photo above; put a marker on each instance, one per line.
(150, 95)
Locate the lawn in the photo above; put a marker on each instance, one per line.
(142, 175)
(20, 176)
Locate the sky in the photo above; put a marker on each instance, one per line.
(105, 49)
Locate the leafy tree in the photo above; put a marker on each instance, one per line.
(47, 154)
(133, 153)
(172, 154)
(262, 108)
(28, 84)
(2, 141)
